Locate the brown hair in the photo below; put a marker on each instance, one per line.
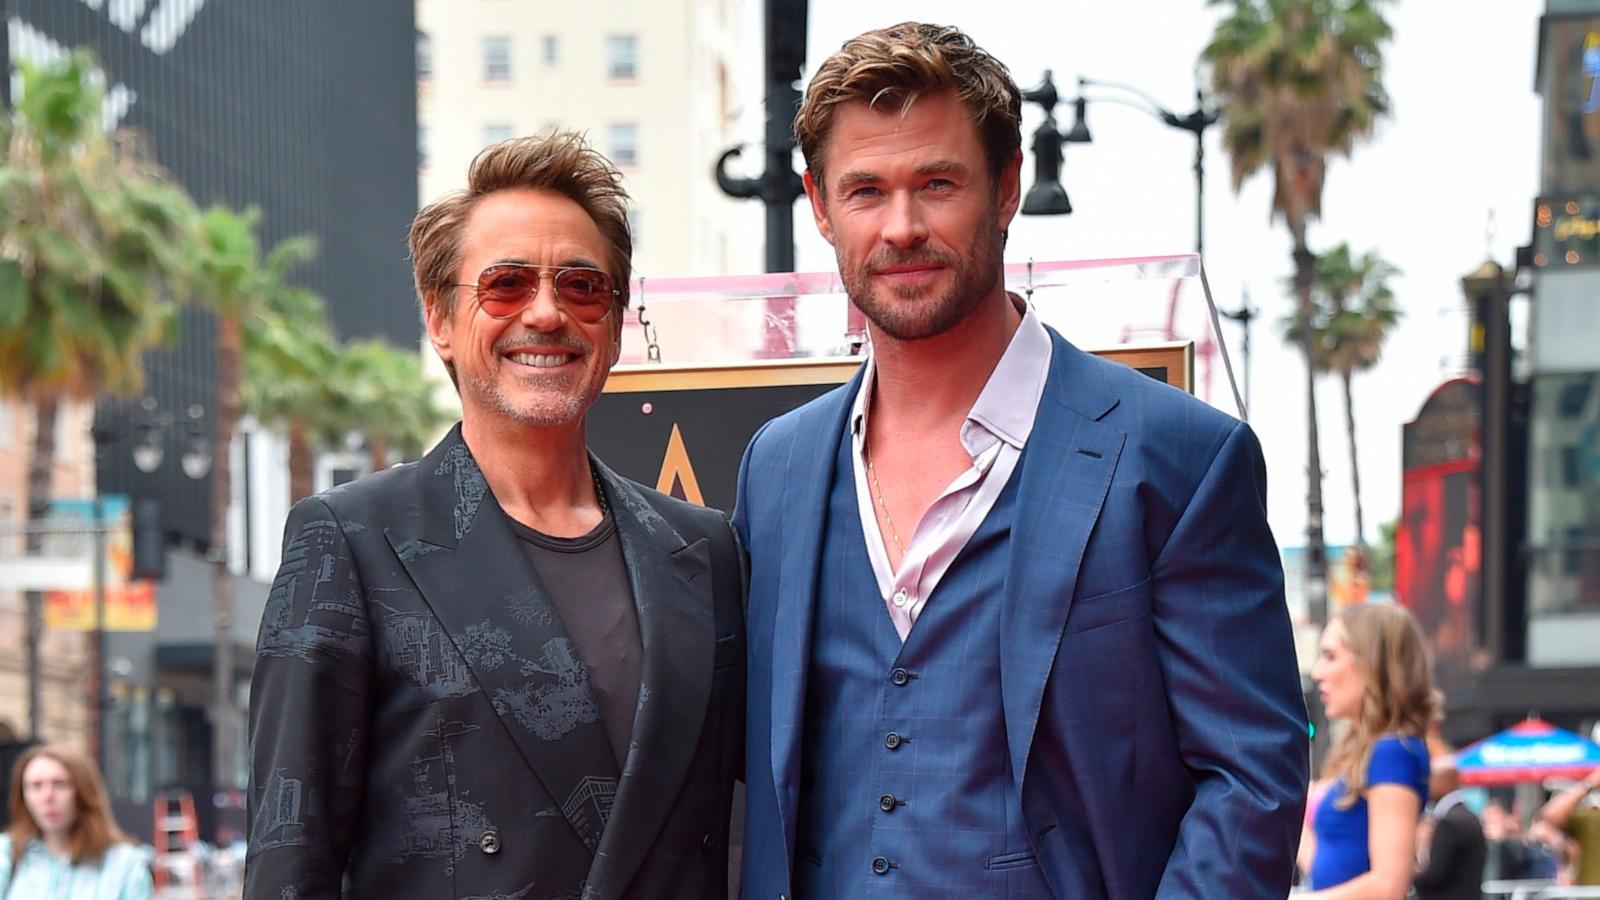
(93, 828)
(901, 63)
(1398, 696)
(561, 162)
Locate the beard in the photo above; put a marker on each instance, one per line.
(913, 313)
(535, 400)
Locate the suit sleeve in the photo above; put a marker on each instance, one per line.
(309, 713)
(1227, 655)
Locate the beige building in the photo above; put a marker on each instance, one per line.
(650, 83)
(64, 657)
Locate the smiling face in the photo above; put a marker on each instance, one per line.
(1340, 681)
(911, 212)
(48, 795)
(540, 368)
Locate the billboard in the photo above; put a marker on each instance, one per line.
(1569, 79)
(129, 605)
(1438, 544)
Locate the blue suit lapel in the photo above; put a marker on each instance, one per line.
(809, 472)
(1066, 472)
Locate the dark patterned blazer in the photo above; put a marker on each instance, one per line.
(421, 727)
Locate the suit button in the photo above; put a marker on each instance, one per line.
(900, 677)
(892, 740)
(887, 803)
(709, 842)
(489, 842)
(880, 865)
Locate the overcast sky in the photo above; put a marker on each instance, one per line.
(1462, 145)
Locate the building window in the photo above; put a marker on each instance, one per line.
(497, 58)
(624, 144)
(549, 50)
(424, 57)
(634, 229)
(622, 57)
(496, 132)
(422, 147)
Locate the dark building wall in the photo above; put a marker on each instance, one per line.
(304, 108)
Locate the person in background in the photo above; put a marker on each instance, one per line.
(1452, 859)
(1576, 811)
(63, 843)
(1373, 675)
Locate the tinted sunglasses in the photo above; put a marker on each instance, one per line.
(505, 289)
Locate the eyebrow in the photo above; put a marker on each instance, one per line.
(571, 262)
(860, 177)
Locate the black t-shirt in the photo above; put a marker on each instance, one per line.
(587, 581)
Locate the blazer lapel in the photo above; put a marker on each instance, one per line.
(805, 501)
(481, 587)
(1066, 471)
(672, 588)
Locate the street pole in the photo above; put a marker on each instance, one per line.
(100, 694)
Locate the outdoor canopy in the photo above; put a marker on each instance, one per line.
(1531, 750)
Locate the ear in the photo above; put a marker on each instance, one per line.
(819, 205)
(440, 327)
(1008, 193)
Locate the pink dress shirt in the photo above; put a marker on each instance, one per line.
(994, 433)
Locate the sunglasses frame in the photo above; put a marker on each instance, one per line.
(555, 273)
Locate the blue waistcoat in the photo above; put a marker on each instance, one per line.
(906, 783)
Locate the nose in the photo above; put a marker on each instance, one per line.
(905, 228)
(543, 312)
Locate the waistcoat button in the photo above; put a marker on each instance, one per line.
(886, 803)
(880, 865)
(900, 677)
(489, 842)
(892, 740)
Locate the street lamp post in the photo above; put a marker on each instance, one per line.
(1051, 140)
(147, 429)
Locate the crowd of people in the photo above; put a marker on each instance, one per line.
(1388, 814)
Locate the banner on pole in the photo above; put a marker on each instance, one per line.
(130, 605)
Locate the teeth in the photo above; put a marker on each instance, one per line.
(538, 361)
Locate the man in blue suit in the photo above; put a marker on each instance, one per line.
(1016, 618)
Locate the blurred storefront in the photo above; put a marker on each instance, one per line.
(1503, 487)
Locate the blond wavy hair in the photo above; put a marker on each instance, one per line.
(893, 67)
(1398, 695)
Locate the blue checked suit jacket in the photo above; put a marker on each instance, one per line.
(1152, 701)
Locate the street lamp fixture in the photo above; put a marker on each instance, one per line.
(149, 441)
(1048, 197)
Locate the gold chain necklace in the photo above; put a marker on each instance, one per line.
(872, 472)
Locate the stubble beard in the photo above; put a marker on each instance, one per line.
(542, 401)
(909, 314)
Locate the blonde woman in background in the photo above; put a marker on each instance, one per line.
(1373, 676)
(63, 843)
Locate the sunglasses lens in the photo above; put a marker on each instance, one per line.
(504, 290)
(586, 293)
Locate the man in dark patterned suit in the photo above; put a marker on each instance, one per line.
(503, 671)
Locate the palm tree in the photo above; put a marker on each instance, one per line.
(92, 247)
(290, 360)
(1354, 315)
(1297, 80)
(390, 400)
(233, 279)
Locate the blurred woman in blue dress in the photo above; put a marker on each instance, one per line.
(63, 843)
(1373, 676)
